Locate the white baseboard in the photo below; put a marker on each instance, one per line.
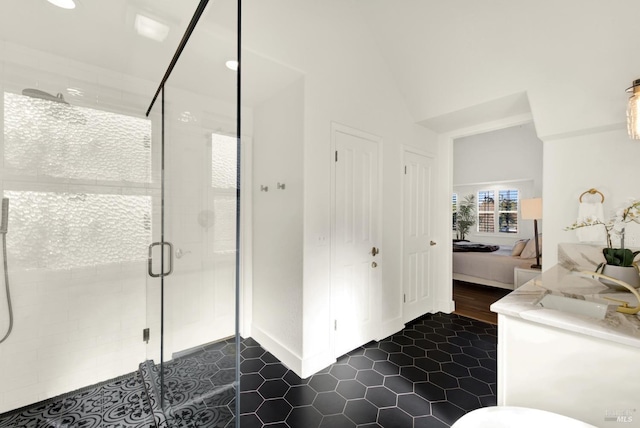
(287, 357)
(390, 327)
(313, 365)
(303, 367)
(446, 306)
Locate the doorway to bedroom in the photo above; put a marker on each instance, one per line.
(493, 172)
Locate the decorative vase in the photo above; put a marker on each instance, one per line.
(628, 274)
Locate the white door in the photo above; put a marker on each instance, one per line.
(355, 269)
(417, 236)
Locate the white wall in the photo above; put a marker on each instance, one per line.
(606, 161)
(346, 81)
(509, 154)
(574, 78)
(506, 158)
(277, 223)
(450, 56)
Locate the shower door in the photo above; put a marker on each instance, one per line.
(192, 268)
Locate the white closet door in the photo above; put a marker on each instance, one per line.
(355, 270)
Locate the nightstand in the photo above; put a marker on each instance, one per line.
(524, 273)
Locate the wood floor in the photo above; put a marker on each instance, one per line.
(473, 300)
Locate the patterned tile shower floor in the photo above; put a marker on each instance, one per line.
(428, 375)
(199, 387)
(116, 403)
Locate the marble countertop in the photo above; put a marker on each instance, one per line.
(563, 280)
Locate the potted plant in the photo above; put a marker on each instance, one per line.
(466, 216)
(619, 262)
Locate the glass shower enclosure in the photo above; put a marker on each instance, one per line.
(193, 253)
(122, 234)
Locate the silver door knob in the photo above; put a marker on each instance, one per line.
(374, 264)
(432, 243)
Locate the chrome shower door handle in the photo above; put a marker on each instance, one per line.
(170, 258)
(150, 260)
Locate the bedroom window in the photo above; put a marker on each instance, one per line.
(508, 211)
(502, 216)
(486, 211)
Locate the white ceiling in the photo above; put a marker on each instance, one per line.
(101, 33)
(573, 56)
(445, 57)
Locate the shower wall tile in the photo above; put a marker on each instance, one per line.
(14, 175)
(20, 349)
(83, 90)
(19, 396)
(67, 68)
(80, 337)
(109, 95)
(85, 272)
(38, 276)
(20, 376)
(21, 69)
(131, 85)
(112, 81)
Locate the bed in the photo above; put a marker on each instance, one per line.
(488, 264)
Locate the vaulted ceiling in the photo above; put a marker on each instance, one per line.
(573, 58)
(568, 61)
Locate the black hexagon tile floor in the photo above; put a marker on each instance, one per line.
(428, 375)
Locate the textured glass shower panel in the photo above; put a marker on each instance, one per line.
(223, 181)
(224, 240)
(223, 161)
(70, 230)
(59, 140)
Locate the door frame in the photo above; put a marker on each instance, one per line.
(335, 128)
(444, 292)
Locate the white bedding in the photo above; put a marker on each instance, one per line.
(495, 268)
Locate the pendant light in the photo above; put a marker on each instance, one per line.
(633, 110)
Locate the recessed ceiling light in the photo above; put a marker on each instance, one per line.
(150, 28)
(65, 4)
(232, 65)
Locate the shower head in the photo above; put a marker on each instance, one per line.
(60, 108)
(37, 93)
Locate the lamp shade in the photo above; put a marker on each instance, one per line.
(531, 209)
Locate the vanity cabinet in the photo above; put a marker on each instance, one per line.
(572, 374)
(572, 364)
